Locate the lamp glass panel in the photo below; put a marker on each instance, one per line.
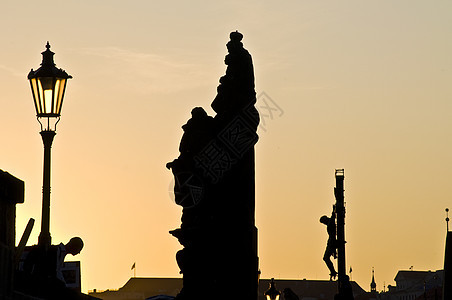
(56, 99)
(272, 297)
(34, 88)
(48, 93)
(41, 97)
(60, 86)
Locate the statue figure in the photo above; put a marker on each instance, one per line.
(37, 263)
(73, 247)
(331, 245)
(236, 89)
(41, 274)
(214, 182)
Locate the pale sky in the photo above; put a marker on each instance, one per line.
(360, 85)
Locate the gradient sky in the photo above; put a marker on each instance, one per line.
(360, 85)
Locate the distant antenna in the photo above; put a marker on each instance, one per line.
(447, 219)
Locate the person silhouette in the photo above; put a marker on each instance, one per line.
(332, 243)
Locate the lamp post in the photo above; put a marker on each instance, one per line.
(272, 293)
(48, 84)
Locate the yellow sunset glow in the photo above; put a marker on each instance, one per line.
(359, 85)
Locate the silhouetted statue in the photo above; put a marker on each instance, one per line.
(332, 243)
(214, 183)
(74, 246)
(290, 295)
(42, 270)
(237, 86)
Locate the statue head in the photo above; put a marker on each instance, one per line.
(235, 44)
(324, 220)
(198, 112)
(74, 246)
(236, 36)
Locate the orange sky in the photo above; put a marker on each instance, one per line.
(361, 85)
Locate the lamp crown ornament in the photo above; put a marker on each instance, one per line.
(47, 56)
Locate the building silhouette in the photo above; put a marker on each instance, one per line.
(144, 288)
(11, 193)
(141, 288)
(412, 285)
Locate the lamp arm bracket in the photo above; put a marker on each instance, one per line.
(58, 120)
(37, 118)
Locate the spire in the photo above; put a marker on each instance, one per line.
(373, 285)
(447, 219)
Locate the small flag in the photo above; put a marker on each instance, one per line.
(133, 266)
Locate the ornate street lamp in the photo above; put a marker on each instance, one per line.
(48, 84)
(272, 293)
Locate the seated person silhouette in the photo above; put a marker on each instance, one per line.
(332, 243)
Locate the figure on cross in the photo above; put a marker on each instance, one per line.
(331, 245)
